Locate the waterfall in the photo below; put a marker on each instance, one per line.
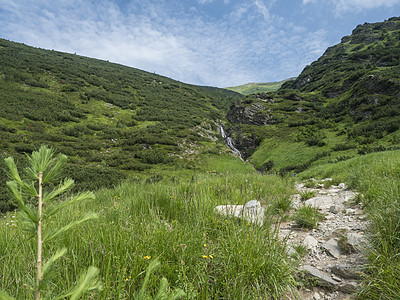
(228, 140)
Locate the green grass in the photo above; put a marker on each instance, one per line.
(207, 255)
(305, 195)
(307, 216)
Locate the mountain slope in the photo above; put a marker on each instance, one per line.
(112, 121)
(255, 87)
(345, 104)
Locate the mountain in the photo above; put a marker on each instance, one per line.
(111, 120)
(255, 87)
(347, 103)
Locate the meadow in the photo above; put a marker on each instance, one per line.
(172, 220)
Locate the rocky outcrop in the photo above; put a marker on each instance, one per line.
(254, 114)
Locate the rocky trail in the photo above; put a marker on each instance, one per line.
(333, 250)
(331, 254)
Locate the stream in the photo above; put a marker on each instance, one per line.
(229, 141)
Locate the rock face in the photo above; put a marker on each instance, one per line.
(255, 114)
(252, 211)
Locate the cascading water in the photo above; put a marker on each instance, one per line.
(229, 141)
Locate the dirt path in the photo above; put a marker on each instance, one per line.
(333, 255)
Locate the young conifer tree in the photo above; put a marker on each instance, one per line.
(37, 200)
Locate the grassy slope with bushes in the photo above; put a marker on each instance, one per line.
(340, 119)
(112, 121)
(345, 104)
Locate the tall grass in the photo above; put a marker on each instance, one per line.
(377, 176)
(207, 255)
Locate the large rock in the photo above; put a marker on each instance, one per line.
(332, 248)
(310, 243)
(321, 278)
(345, 272)
(252, 211)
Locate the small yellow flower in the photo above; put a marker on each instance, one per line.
(130, 277)
(211, 256)
(248, 224)
(147, 257)
(226, 221)
(127, 279)
(205, 245)
(205, 256)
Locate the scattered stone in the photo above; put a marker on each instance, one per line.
(332, 248)
(330, 262)
(356, 241)
(322, 278)
(345, 272)
(342, 185)
(316, 296)
(348, 287)
(310, 242)
(333, 209)
(350, 211)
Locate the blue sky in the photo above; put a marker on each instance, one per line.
(207, 42)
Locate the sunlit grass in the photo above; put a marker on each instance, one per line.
(206, 255)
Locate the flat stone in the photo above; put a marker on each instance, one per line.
(322, 278)
(317, 296)
(348, 287)
(356, 241)
(333, 209)
(323, 202)
(345, 272)
(332, 248)
(310, 242)
(252, 211)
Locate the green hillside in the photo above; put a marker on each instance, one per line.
(112, 121)
(345, 104)
(255, 87)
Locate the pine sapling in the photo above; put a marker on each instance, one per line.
(45, 169)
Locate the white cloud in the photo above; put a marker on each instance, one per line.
(249, 45)
(358, 5)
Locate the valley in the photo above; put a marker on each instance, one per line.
(160, 155)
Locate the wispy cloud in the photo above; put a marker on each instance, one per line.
(248, 44)
(342, 6)
(346, 5)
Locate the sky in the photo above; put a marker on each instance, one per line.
(204, 42)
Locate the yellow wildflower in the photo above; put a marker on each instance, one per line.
(205, 245)
(205, 256)
(147, 257)
(211, 256)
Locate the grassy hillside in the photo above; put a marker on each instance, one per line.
(112, 121)
(255, 87)
(345, 104)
